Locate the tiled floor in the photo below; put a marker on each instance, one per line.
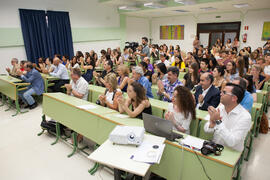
(24, 155)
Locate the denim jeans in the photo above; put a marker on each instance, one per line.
(26, 96)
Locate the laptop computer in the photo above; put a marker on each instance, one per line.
(160, 127)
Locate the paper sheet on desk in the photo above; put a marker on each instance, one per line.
(121, 116)
(87, 106)
(193, 142)
(207, 117)
(146, 153)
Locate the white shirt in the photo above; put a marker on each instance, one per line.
(60, 71)
(75, 66)
(81, 86)
(267, 70)
(166, 62)
(109, 96)
(180, 118)
(233, 129)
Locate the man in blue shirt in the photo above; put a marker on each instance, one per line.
(247, 101)
(138, 75)
(36, 87)
(60, 71)
(167, 86)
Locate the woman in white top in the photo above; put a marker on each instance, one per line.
(73, 63)
(182, 109)
(109, 98)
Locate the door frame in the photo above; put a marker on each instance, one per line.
(223, 31)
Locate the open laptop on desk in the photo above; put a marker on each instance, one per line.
(160, 127)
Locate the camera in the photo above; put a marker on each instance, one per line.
(132, 45)
(210, 147)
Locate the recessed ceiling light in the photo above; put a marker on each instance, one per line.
(154, 5)
(128, 8)
(208, 8)
(240, 5)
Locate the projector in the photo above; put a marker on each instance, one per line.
(127, 135)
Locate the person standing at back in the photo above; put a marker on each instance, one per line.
(145, 52)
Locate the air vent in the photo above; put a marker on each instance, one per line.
(180, 10)
(208, 8)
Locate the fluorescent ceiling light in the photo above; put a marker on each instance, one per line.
(128, 8)
(240, 5)
(208, 8)
(185, 2)
(154, 5)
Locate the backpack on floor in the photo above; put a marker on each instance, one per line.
(50, 126)
(264, 126)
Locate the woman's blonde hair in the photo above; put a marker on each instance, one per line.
(124, 68)
(111, 79)
(257, 67)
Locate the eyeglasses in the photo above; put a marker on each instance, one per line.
(224, 92)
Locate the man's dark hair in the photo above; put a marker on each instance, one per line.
(29, 65)
(103, 52)
(206, 61)
(238, 91)
(66, 56)
(144, 64)
(145, 38)
(174, 70)
(242, 82)
(110, 63)
(210, 77)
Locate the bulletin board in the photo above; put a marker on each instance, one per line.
(172, 32)
(266, 31)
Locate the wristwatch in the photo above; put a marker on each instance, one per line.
(218, 122)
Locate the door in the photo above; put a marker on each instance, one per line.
(214, 36)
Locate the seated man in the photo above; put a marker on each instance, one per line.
(15, 67)
(247, 101)
(163, 60)
(138, 76)
(61, 72)
(108, 68)
(78, 86)
(167, 86)
(37, 85)
(206, 94)
(230, 122)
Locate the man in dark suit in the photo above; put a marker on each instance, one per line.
(206, 94)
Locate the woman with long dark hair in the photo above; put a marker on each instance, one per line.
(182, 109)
(137, 99)
(192, 78)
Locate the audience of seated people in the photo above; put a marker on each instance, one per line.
(224, 77)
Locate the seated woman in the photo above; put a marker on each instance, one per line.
(147, 73)
(73, 63)
(89, 66)
(40, 65)
(230, 72)
(137, 99)
(123, 78)
(161, 73)
(182, 109)
(250, 86)
(219, 81)
(109, 98)
(178, 62)
(192, 77)
(258, 78)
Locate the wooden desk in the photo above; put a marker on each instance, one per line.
(9, 87)
(176, 162)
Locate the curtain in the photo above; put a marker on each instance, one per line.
(60, 33)
(35, 34)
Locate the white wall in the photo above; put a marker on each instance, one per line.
(136, 29)
(83, 14)
(254, 19)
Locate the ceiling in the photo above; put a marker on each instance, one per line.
(191, 6)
